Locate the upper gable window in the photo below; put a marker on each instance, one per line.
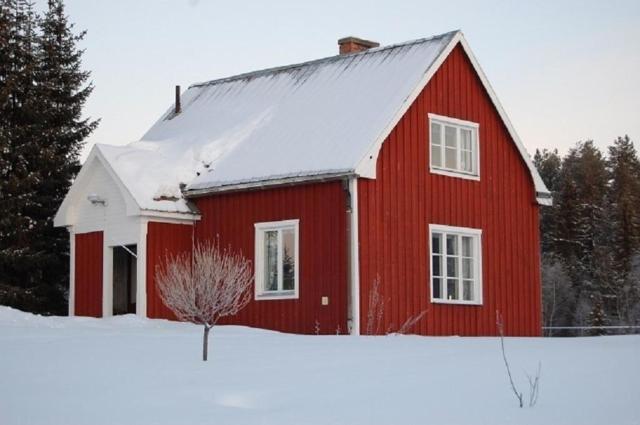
(454, 147)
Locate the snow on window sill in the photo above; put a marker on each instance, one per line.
(459, 302)
(282, 295)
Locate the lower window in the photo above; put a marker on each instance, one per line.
(456, 265)
(276, 260)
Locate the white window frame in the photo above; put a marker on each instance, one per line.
(260, 229)
(475, 147)
(476, 234)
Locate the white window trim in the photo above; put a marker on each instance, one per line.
(478, 287)
(475, 147)
(260, 228)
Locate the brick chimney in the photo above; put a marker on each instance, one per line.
(355, 44)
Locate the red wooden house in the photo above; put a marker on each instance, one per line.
(393, 164)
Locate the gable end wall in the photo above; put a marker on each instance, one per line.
(111, 218)
(396, 208)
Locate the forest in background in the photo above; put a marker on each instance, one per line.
(591, 235)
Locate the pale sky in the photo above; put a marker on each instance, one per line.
(564, 70)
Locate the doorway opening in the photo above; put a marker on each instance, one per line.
(124, 279)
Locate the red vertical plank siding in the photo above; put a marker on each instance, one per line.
(396, 208)
(88, 274)
(163, 239)
(323, 264)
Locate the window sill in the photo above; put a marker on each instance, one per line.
(450, 173)
(456, 302)
(285, 295)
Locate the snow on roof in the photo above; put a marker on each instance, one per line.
(151, 174)
(314, 118)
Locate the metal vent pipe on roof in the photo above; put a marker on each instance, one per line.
(178, 106)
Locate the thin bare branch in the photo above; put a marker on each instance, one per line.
(409, 324)
(375, 309)
(534, 386)
(500, 325)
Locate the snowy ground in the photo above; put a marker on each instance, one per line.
(126, 370)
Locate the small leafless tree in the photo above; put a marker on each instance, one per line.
(205, 286)
(411, 322)
(375, 309)
(534, 382)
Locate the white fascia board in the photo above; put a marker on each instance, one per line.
(367, 165)
(170, 217)
(539, 185)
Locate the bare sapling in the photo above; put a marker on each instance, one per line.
(204, 286)
(534, 382)
(375, 309)
(534, 386)
(375, 314)
(411, 322)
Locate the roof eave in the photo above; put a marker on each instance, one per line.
(267, 183)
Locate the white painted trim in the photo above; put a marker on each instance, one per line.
(171, 217)
(141, 270)
(450, 173)
(107, 279)
(475, 146)
(463, 231)
(537, 180)
(367, 165)
(454, 121)
(354, 257)
(545, 201)
(72, 271)
(455, 229)
(260, 228)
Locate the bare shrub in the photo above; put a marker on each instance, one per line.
(534, 382)
(204, 286)
(375, 309)
(375, 313)
(411, 322)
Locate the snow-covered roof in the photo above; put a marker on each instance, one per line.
(324, 117)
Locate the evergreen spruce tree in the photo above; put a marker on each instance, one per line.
(19, 120)
(583, 228)
(42, 134)
(549, 165)
(624, 194)
(64, 89)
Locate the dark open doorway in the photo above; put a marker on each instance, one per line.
(124, 279)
